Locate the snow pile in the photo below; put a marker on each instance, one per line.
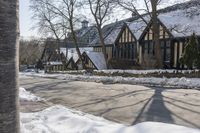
(58, 119)
(151, 81)
(160, 71)
(27, 96)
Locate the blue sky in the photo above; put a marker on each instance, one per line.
(25, 19)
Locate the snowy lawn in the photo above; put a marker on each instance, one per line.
(119, 71)
(59, 119)
(152, 81)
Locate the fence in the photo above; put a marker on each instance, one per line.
(54, 68)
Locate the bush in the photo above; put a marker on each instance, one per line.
(191, 55)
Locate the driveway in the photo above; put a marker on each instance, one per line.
(127, 104)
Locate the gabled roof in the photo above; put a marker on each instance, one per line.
(98, 60)
(110, 33)
(180, 19)
(126, 25)
(137, 26)
(71, 53)
(84, 36)
(71, 61)
(184, 21)
(81, 32)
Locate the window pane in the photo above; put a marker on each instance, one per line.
(168, 44)
(146, 47)
(162, 44)
(168, 55)
(151, 47)
(133, 53)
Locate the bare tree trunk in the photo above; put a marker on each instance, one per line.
(9, 37)
(76, 43)
(156, 37)
(103, 45)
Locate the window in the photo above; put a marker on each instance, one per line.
(121, 52)
(146, 47)
(129, 51)
(133, 52)
(151, 47)
(168, 54)
(125, 51)
(168, 44)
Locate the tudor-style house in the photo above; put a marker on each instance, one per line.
(147, 46)
(125, 48)
(132, 40)
(129, 42)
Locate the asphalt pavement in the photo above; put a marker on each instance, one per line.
(122, 103)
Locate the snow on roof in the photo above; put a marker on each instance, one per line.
(110, 39)
(182, 22)
(110, 33)
(98, 59)
(73, 54)
(180, 19)
(137, 26)
(83, 31)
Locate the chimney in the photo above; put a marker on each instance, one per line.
(85, 24)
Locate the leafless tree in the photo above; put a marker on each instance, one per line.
(59, 17)
(30, 51)
(150, 10)
(101, 10)
(48, 23)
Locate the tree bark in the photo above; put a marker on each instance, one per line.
(9, 66)
(103, 45)
(156, 37)
(76, 44)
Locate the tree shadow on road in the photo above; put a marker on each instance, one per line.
(156, 110)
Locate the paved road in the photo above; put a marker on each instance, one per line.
(127, 104)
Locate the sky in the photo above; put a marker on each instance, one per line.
(26, 23)
(25, 19)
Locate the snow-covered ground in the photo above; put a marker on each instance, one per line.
(152, 81)
(159, 71)
(146, 71)
(59, 119)
(27, 96)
